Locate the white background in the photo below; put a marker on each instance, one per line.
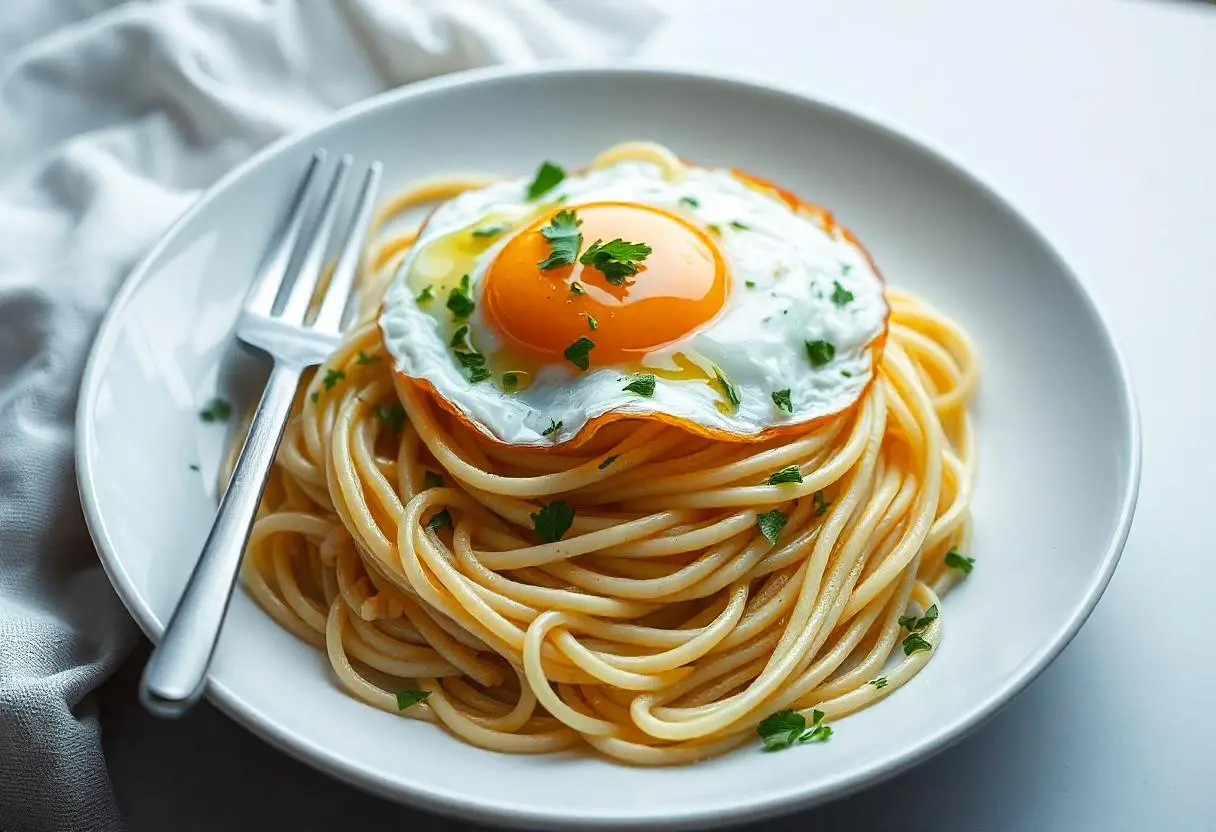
(1098, 119)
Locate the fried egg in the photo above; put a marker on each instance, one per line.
(751, 314)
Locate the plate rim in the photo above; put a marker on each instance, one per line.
(455, 804)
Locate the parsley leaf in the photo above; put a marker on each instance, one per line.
(459, 302)
(408, 698)
(727, 388)
(914, 625)
(690, 201)
(846, 374)
(440, 520)
(607, 461)
(548, 176)
(820, 504)
(781, 398)
(432, 480)
(553, 520)
(217, 410)
(579, 353)
(738, 225)
(770, 524)
(642, 384)
(957, 560)
(363, 358)
(781, 729)
(314, 397)
(591, 321)
(879, 683)
(576, 289)
(820, 352)
(915, 643)
(616, 260)
(751, 284)
(474, 365)
(510, 382)
(332, 377)
(425, 296)
(392, 415)
(459, 337)
(564, 240)
(786, 727)
(490, 230)
(840, 295)
(785, 475)
(553, 428)
(714, 229)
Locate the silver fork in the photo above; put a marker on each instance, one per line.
(175, 675)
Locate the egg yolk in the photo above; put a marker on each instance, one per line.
(680, 286)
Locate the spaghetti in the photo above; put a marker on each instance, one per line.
(665, 626)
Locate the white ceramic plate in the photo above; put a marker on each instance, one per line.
(1058, 437)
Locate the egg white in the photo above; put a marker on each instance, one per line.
(758, 340)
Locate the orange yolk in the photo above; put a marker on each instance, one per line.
(679, 287)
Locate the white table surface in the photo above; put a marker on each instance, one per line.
(1098, 119)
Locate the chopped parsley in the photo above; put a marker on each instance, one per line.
(217, 410)
(915, 643)
(576, 289)
(785, 475)
(548, 176)
(820, 352)
(554, 427)
(592, 323)
(846, 374)
(460, 304)
(564, 240)
(490, 230)
(553, 520)
(727, 389)
(510, 382)
(616, 260)
(784, 728)
(879, 683)
(957, 560)
(690, 201)
(432, 480)
(751, 284)
(738, 226)
(364, 358)
(460, 337)
(441, 520)
(579, 353)
(314, 397)
(331, 378)
(392, 415)
(642, 384)
(781, 398)
(714, 229)
(425, 296)
(474, 365)
(608, 461)
(820, 504)
(409, 698)
(194, 466)
(770, 524)
(840, 295)
(845, 268)
(914, 625)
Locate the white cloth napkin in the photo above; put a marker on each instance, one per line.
(112, 118)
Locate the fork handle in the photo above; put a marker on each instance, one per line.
(174, 677)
